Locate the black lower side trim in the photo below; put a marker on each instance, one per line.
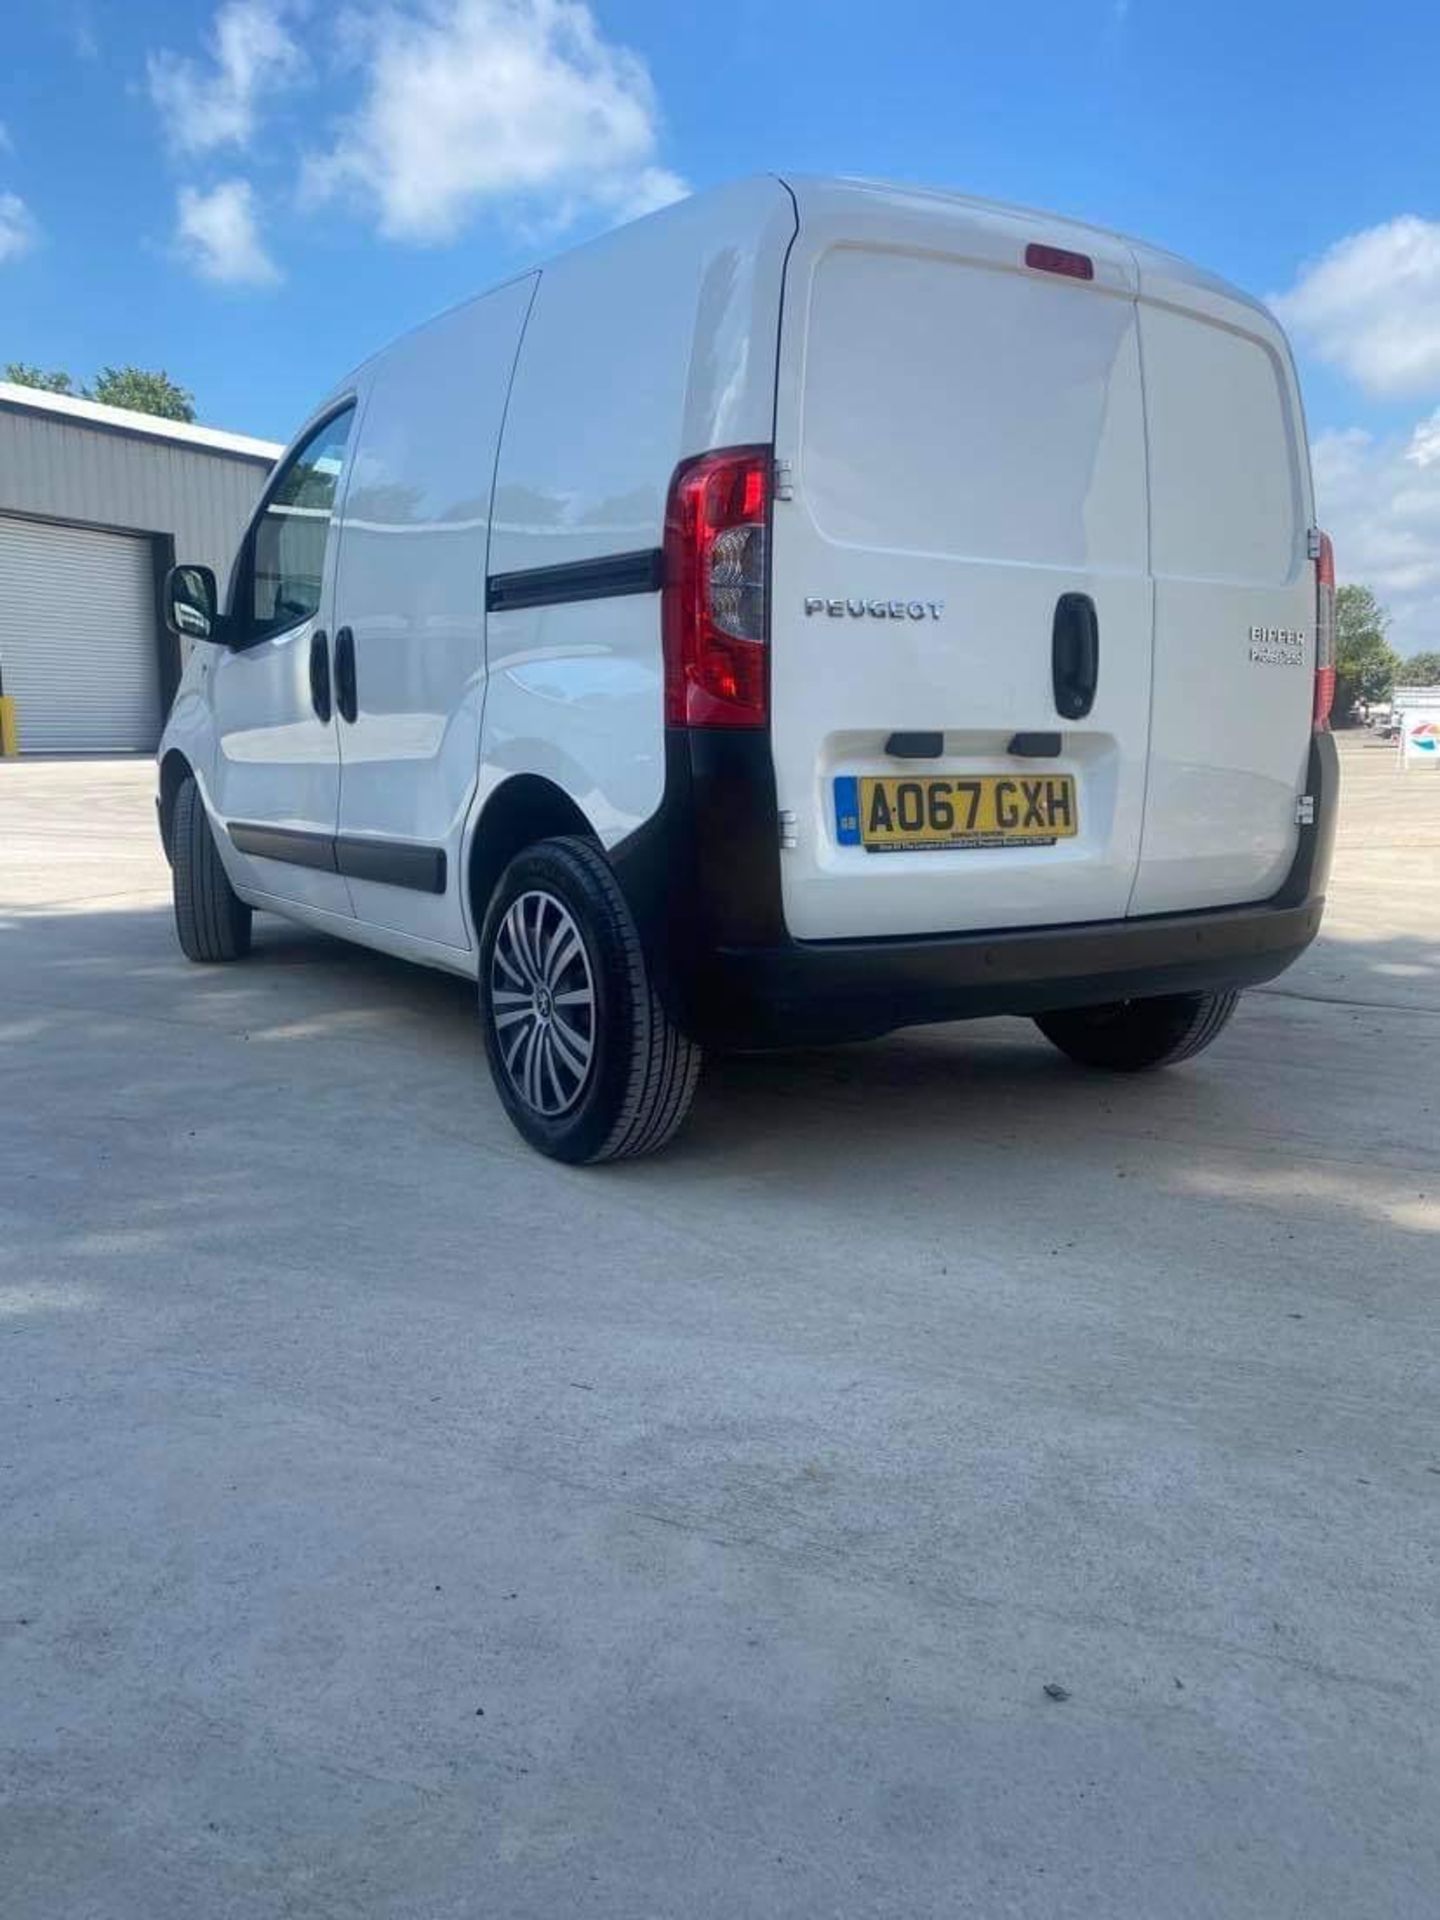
(293, 845)
(393, 863)
(703, 880)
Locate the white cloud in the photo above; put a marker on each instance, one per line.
(18, 231)
(1371, 306)
(1424, 448)
(471, 103)
(1379, 498)
(218, 234)
(204, 106)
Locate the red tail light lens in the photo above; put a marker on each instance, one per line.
(1324, 632)
(716, 611)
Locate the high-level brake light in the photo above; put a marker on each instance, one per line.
(1324, 632)
(716, 614)
(1079, 266)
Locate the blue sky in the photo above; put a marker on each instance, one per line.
(255, 194)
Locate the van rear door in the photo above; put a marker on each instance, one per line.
(1234, 595)
(965, 540)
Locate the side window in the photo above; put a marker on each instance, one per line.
(288, 546)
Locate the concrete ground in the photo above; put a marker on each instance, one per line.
(395, 1524)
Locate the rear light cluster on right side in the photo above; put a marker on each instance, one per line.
(715, 602)
(1324, 632)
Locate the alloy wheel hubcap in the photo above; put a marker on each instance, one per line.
(542, 1000)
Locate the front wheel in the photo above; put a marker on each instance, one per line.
(1130, 1036)
(585, 1058)
(212, 922)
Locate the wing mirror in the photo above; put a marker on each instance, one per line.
(192, 604)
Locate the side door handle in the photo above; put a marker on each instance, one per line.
(347, 697)
(320, 676)
(1075, 655)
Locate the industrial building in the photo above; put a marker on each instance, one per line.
(95, 504)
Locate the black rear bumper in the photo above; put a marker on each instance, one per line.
(703, 880)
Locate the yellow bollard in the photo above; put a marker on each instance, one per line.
(9, 728)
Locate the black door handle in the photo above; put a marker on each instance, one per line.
(1075, 654)
(320, 676)
(347, 699)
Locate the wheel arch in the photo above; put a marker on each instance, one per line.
(523, 809)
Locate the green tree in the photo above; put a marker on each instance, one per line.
(1420, 670)
(21, 375)
(133, 387)
(142, 392)
(1365, 662)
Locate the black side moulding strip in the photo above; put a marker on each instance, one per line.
(393, 863)
(611, 575)
(290, 844)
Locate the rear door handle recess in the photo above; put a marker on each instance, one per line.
(320, 676)
(347, 698)
(1075, 655)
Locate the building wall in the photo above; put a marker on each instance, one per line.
(66, 470)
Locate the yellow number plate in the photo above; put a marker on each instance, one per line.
(902, 815)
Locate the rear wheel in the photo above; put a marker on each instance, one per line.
(211, 920)
(586, 1060)
(1130, 1036)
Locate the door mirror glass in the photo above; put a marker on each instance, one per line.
(191, 603)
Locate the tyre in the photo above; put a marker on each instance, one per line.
(1131, 1036)
(211, 920)
(586, 1061)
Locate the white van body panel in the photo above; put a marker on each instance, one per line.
(409, 583)
(646, 346)
(274, 763)
(962, 430)
(969, 434)
(956, 431)
(366, 933)
(1230, 510)
(190, 731)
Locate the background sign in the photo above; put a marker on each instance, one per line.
(1420, 739)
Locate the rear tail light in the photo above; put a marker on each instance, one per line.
(1324, 632)
(716, 611)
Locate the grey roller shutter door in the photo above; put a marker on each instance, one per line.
(77, 638)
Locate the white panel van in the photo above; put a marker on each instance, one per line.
(814, 609)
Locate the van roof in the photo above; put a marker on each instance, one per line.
(816, 189)
(1175, 277)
